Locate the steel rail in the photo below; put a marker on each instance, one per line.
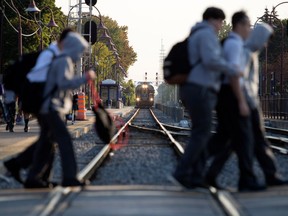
(176, 144)
(224, 198)
(276, 130)
(89, 169)
(59, 193)
(176, 127)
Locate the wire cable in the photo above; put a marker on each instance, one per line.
(13, 9)
(15, 29)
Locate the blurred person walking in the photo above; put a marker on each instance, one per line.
(199, 94)
(233, 114)
(37, 74)
(262, 149)
(61, 80)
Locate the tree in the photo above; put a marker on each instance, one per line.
(30, 41)
(270, 57)
(104, 57)
(128, 93)
(119, 35)
(226, 28)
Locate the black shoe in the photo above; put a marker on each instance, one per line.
(51, 183)
(26, 129)
(73, 183)
(36, 183)
(7, 127)
(213, 183)
(276, 182)
(13, 169)
(186, 183)
(11, 130)
(252, 187)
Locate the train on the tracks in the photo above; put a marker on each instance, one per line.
(144, 95)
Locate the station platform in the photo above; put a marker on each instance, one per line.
(13, 142)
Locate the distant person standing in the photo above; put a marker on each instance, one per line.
(26, 116)
(199, 94)
(74, 106)
(2, 107)
(10, 104)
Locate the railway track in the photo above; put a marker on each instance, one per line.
(277, 136)
(149, 139)
(143, 134)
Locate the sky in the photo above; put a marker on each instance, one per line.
(155, 25)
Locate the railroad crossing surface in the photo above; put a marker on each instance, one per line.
(140, 200)
(152, 200)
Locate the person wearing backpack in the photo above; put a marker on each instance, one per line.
(234, 126)
(199, 94)
(61, 80)
(39, 74)
(261, 147)
(263, 152)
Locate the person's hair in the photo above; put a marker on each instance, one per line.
(65, 33)
(213, 13)
(239, 17)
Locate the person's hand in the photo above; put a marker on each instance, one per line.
(240, 74)
(244, 109)
(90, 75)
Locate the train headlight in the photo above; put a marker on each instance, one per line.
(137, 99)
(151, 99)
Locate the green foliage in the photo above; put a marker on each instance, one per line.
(29, 25)
(226, 28)
(119, 36)
(107, 65)
(129, 92)
(103, 57)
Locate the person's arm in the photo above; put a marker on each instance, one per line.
(233, 51)
(64, 75)
(238, 91)
(211, 55)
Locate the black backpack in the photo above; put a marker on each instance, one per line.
(177, 67)
(30, 94)
(15, 74)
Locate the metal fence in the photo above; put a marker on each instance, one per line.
(275, 106)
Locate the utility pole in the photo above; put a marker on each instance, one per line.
(79, 30)
(161, 60)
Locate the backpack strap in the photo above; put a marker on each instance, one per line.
(53, 90)
(193, 31)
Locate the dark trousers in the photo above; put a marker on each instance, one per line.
(11, 111)
(234, 133)
(25, 159)
(200, 102)
(55, 130)
(263, 150)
